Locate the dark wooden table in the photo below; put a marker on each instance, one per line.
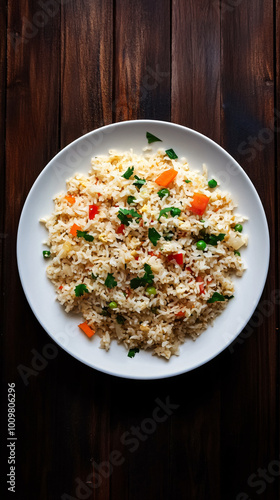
(68, 67)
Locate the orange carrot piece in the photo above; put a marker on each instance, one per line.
(70, 199)
(166, 177)
(199, 203)
(74, 229)
(86, 329)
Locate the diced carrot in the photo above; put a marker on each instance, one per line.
(60, 287)
(74, 229)
(86, 329)
(166, 177)
(178, 257)
(70, 199)
(141, 223)
(200, 280)
(136, 257)
(120, 229)
(180, 314)
(199, 203)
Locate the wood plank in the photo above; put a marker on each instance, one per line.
(195, 102)
(86, 66)
(142, 90)
(31, 139)
(142, 60)
(3, 76)
(277, 184)
(86, 104)
(195, 95)
(250, 373)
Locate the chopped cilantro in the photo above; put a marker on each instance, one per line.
(152, 138)
(139, 182)
(173, 212)
(212, 239)
(131, 199)
(132, 352)
(123, 215)
(154, 236)
(163, 192)
(228, 297)
(93, 276)
(236, 253)
(120, 319)
(187, 181)
(216, 297)
(105, 312)
(80, 290)
(85, 235)
(128, 173)
(110, 281)
(168, 236)
(147, 279)
(154, 309)
(171, 153)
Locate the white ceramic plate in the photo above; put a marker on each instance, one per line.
(62, 327)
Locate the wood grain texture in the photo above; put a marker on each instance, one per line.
(3, 68)
(142, 60)
(86, 67)
(32, 122)
(86, 104)
(3, 71)
(196, 66)
(277, 184)
(249, 393)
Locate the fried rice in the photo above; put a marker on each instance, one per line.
(130, 264)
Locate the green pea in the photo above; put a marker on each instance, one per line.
(113, 305)
(151, 290)
(201, 245)
(238, 228)
(212, 183)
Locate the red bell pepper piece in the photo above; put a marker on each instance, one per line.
(93, 210)
(178, 257)
(120, 229)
